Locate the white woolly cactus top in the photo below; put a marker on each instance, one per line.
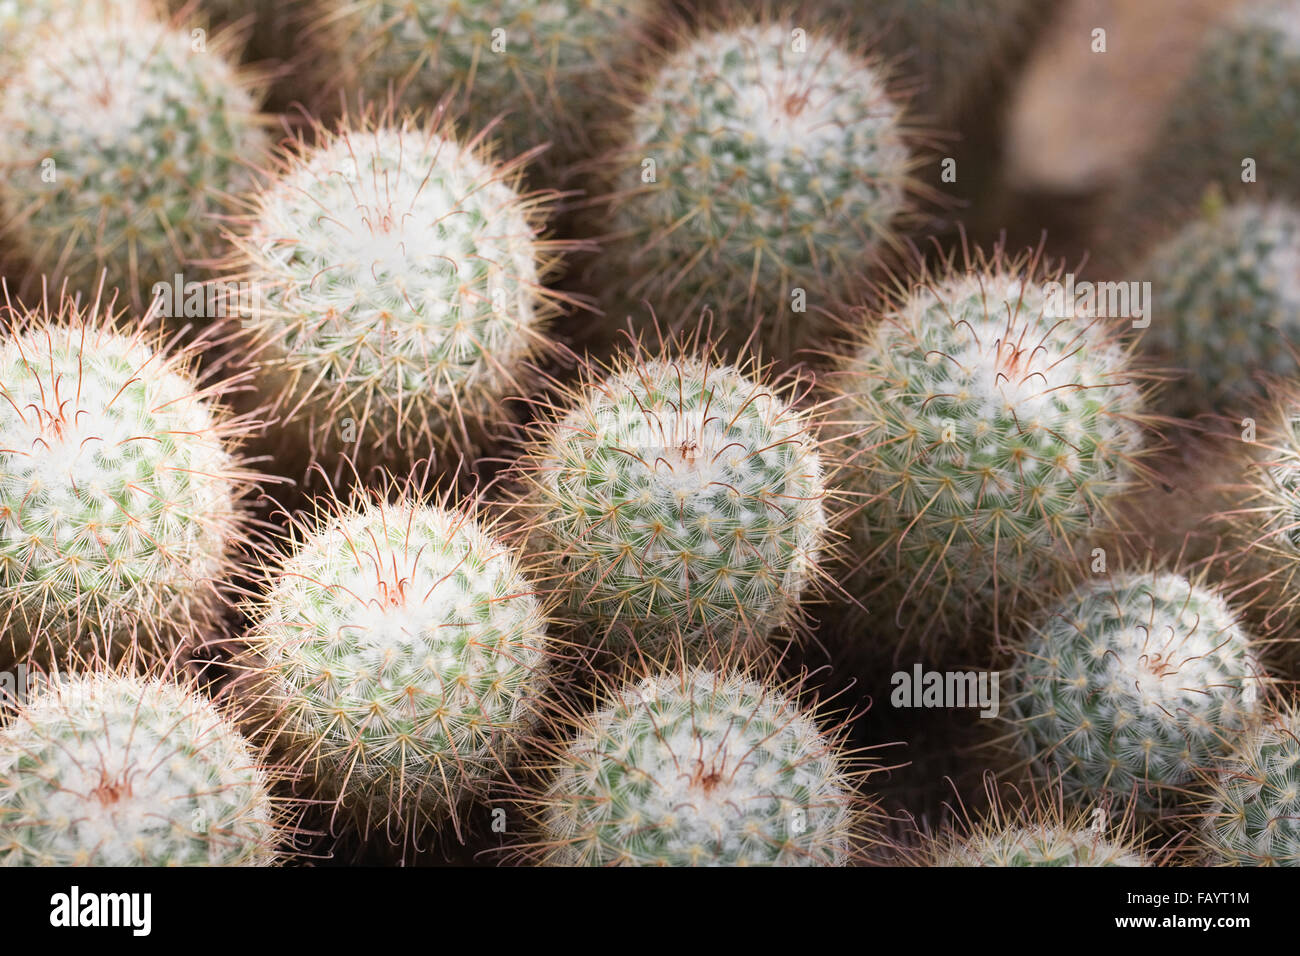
(985, 433)
(698, 769)
(1040, 846)
(117, 771)
(1134, 684)
(116, 489)
(401, 282)
(680, 500)
(398, 653)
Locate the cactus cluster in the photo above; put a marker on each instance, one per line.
(1252, 813)
(119, 490)
(120, 143)
(113, 770)
(398, 278)
(1133, 684)
(395, 660)
(1226, 304)
(983, 429)
(691, 767)
(679, 502)
(760, 167)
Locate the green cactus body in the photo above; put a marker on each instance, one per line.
(983, 434)
(1253, 816)
(1133, 684)
(399, 294)
(697, 769)
(759, 167)
(118, 494)
(119, 140)
(398, 655)
(1226, 303)
(1043, 846)
(545, 65)
(101, 770)
(680, 505)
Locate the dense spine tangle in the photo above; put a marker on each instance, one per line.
(1253, 798)
(1133, 684)
(119, 492)
(545, 66)
(759, 166)
(397, 659)
(1040, 846)
(679, 502)
(106, 770)
(984, 428)
(1226, 303)
(399, 293)
(119, 141)
(697, 768)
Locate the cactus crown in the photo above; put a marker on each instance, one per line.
(398, 654)
(1133, 683)
(779, 163)
(678, 501)
(1253, 800)
(1040, 846)
(142, 136)
(698, 768)
(1228, 301)
(118, 493)
(400, 276)
(107, 770)
(983, 433)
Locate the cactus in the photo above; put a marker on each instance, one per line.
(1226, 303)
(119, 140)
(690, 768)
(679, 502)
(1241, 101)
(396, 660)
(1252, 815)
(1040, 846)
(110, 770)
(119, 492)
(759, 168)
(544, 65)
(398, 277)
(984, 430)
(1132, 684)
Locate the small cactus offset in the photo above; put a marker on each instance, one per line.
(679, 503)
(399, 293)
(397, 659)
(119, 142)
(1226, 304)
(698, 768)
(110, 770)
(1131, 685)
(119, 490)
(545, 66)
(1040, 846)
(761, 164)
(983, 432)
(1252, 811)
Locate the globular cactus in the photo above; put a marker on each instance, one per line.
(679, 503)
(761, 165)
(545, 66)
(398, 277)
(119, 489)
(23, 22)
(1241, 102)
(1131, 685)
(1039, 846)
(112, 770)
(1252, 811)
(396, 661)
(119, 141)
(984, 429)
(1226, 304)
(690, 767)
